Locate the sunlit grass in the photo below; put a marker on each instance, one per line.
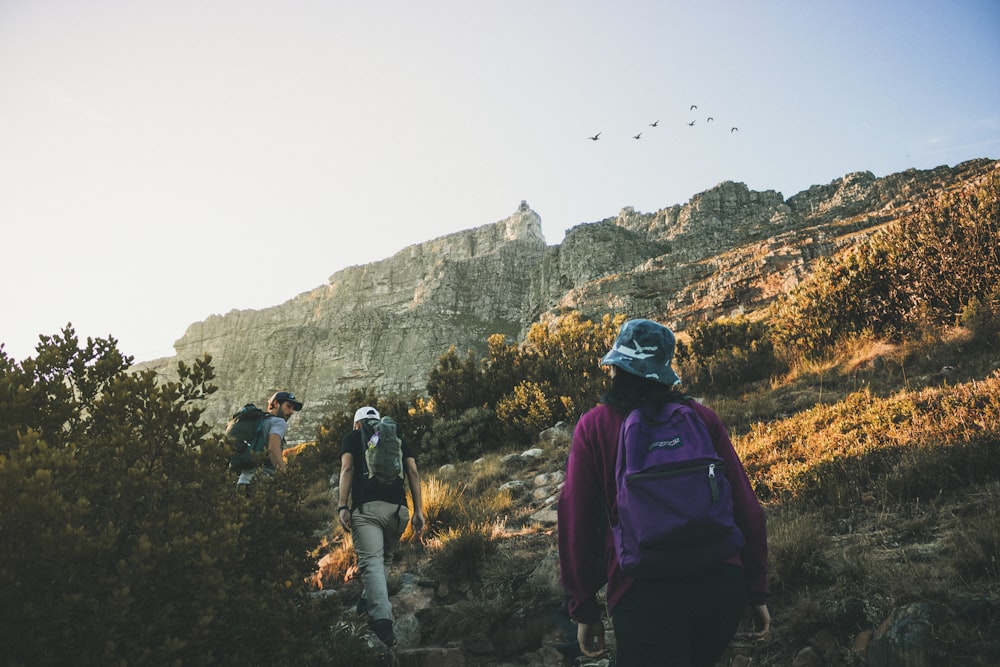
(460, 552)
(913, 444)
(449, 505)
(876, 501)
(338, 564)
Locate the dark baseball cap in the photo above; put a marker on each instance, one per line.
(283, 396)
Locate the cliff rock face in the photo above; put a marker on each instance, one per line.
(385, 324)
(731, 250)
(382, 325)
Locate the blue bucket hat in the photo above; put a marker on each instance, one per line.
(644, 348)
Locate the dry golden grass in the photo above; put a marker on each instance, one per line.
(339, 563)
(842, 453)
(459, 553)
(863, 354)
(975, 540)
(878, 501)
(798, 543)
(451, 504)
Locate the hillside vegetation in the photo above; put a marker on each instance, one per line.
(866, 406)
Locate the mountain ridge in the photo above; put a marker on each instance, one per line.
(383, 325)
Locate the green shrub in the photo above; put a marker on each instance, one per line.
(553, 375)
(528, 410)
(982, 317)
(914, 275)
(726, 354)
(455, 385)
(473, 433)
(123, 539)
(565, 357)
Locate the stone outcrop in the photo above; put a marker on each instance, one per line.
(385, 324)
(381, 325)
(731, 250)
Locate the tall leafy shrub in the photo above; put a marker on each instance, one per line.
(924, 271)
(455, 384)
(727, 353)
(553, 375)
(568, 354)
(122, 539)
(466, 437)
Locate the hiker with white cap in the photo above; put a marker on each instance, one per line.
(374, 465)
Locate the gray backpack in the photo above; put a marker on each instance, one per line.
(384, 454)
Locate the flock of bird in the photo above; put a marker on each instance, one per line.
(694, 107)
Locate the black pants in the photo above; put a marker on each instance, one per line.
(679, 621)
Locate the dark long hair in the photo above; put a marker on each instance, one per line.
(629, 391)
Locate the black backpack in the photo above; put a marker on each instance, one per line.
(246, 434)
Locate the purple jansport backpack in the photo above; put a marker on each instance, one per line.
(675, 506)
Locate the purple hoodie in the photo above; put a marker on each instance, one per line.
(585, 545)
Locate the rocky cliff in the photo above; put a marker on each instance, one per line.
(731, 250)
(384, 325)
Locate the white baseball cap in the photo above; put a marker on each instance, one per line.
(366, 412)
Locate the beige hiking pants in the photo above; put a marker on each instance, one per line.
(376, 528)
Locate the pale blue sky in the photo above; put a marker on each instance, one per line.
(161, 161)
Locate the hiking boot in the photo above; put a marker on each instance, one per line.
(383, 630)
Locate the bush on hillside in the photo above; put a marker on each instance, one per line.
(123, 539)
(528, 410)
(455, 384)
(503, 368)
(982, 318)
(553, 375)
(922, 272)
(467, 437)
(567, 357)
(726, 354)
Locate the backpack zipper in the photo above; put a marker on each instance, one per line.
(713, 481)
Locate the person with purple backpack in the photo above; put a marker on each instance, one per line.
(680, 571)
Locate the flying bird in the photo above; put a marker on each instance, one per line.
(637, 136)
(654, 124)
(595, 137)
(735, 129)
(693, 107)
(710, 119)
(691, 123)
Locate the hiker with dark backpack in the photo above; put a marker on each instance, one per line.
(657, 506)
(261, 435)
(375, 464)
